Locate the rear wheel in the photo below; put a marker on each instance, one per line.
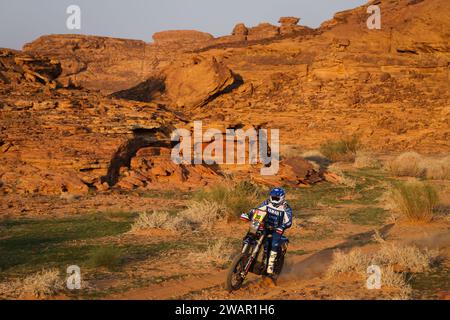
(234, 277)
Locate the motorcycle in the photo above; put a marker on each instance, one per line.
(254, 255)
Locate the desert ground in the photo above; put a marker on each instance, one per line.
(124, 257)
(87, 179)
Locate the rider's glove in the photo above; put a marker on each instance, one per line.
(279, 230)
(245, 217)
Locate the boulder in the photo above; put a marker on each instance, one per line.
(290, 25)
(240, 30)
(196, 81)
(263, 31)
(289, 21)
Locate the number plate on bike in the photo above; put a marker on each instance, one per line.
(259, 215)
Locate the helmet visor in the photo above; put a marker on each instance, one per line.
(275, 199)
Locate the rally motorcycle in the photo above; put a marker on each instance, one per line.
(254, 255)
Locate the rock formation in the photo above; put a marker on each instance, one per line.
(240, 30)
(263, 31)
(194, 82)
(290, 25)
(388, 86)
(180, 36)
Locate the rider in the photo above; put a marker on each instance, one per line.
(279, 217)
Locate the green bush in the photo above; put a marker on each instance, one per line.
(415, 200)
(341, 150)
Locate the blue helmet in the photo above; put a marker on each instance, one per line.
(276, 196)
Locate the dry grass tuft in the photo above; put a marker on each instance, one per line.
(200, 215)
(394, 260)
(396, 281)
(366, 160)
(406, 258)
(406, 165)
(154, 220)
(412, 164)
(217, 253)
(436, 169)
(234, 198)
(352, 262)
(42, 284)
(415, 200)
(203, 214)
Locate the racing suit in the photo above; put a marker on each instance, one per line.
(279, 218)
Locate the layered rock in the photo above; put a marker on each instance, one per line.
(16, 67)
(180, 36)
(387, 86)
(290, 25)
(152, 168)
(263, 31)
(69, 140)
(99, 63)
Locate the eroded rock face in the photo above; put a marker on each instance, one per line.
(263, 31)
(290, 25)
(181, 36)
(388, 86)
(67, 140)
(194, 82)
(100, 63)
(16, 67)
(152, 168)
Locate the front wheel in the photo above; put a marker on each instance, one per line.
(234, 277)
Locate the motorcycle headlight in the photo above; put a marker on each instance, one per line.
(254, 227)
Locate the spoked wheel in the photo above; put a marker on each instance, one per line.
(234, 277)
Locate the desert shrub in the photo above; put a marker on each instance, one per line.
(199, 215)
(202, 215)
(415, 200)
(217, 253)
(107, 257)
(436, 169)
(40, 285)
(407, 164)
(406, 258)
(154, 220)
(353, 262)
(394, 260)
(234, 199)
(395, 280)
(341, 150)
(43, 284)
(365, 160)
(412, 164)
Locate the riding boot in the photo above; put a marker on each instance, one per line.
(271, 264)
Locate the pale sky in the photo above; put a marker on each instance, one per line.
(22, 21)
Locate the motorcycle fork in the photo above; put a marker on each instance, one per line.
(254, 254)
